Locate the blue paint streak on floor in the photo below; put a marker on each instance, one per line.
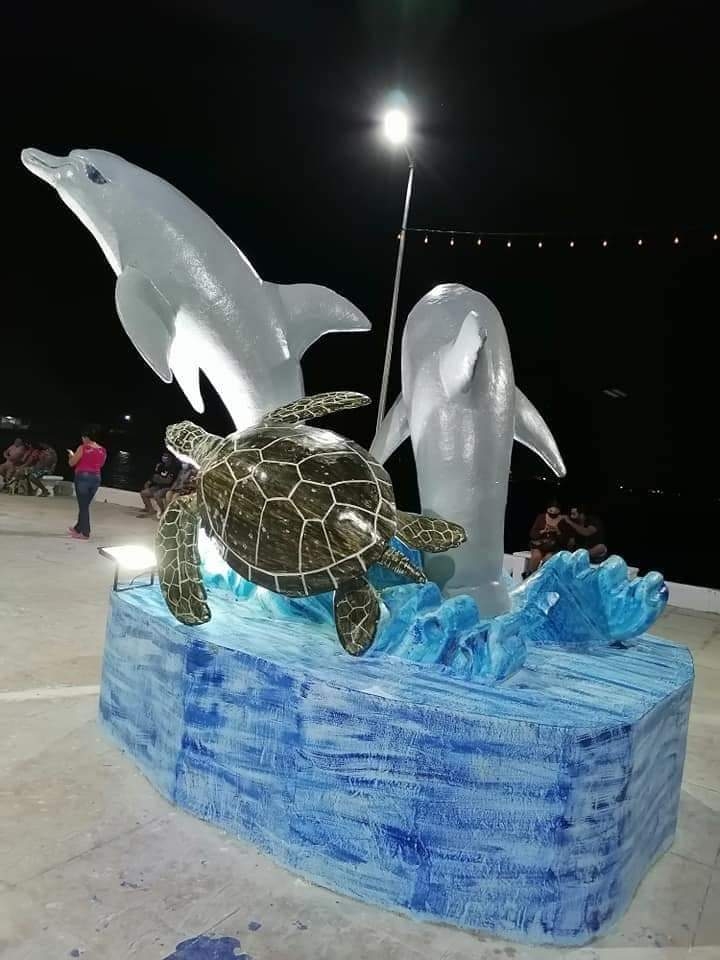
(208, 948)
(530, 808)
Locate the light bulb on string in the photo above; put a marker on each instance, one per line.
(572, 243)
(676, 240)
(604, 243)
(425, 240)
(640, 243)
(452, 241)
(715, 236)
(540, 244)
(479, 242)
(508, 244)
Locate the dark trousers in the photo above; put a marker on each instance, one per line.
(86, 486)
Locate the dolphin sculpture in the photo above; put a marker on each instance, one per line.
(461, 409)
(186, 295)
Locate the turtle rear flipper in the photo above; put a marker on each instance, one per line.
(430, 534)
(309, 408)
(179, 563)
(357, 612)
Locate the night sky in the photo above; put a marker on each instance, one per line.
(578, 119)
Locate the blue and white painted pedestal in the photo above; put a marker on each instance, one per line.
(531, 809)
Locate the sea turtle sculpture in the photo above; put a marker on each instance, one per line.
(293, 508)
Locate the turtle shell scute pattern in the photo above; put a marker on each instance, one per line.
(295, 508)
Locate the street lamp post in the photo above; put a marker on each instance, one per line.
(396, 129)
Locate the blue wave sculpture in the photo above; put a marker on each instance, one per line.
(571, 603)
(567, 603)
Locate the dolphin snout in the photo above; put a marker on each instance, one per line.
(43, 165)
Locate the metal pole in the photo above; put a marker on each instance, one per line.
(382, 403)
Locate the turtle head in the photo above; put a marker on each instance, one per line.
(190, 443)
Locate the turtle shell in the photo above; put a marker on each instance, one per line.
(295, 508)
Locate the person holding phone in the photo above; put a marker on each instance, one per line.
(87, 461)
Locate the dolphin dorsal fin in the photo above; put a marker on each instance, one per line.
(532, 431)
(312, 311)
(459, 358)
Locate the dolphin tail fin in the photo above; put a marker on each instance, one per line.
(147, 318)
(393, 431)
(184, 365)
(459, 358)
(314, 311)
(532, 431)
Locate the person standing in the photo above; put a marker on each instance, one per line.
(88, 460)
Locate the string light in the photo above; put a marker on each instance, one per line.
(540, 240)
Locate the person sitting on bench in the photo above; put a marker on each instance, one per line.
(154, 492)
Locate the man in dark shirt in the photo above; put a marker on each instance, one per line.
(154, 492)
(584, 531)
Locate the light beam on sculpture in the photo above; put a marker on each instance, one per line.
(187, 297)
(461, 409)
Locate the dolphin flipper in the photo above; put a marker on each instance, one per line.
(393, 431)
(532, 431)
(147, 318)
(314, 311)
(184, 365)
(459, 358)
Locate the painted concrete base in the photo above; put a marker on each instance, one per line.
(531, 809)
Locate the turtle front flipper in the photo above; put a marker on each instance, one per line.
(179, 563)
(309, 408)
(357, 611)
(430, 534)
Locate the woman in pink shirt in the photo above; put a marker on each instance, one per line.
(88, 461)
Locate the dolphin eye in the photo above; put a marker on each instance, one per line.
(94, 174)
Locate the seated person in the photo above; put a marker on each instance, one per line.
(157, 487)
(19, 482)
(185, 483)
(546, 537)
(45, 465)
(584, 531)
(12, 459)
